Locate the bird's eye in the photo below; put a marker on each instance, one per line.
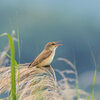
(53, 43)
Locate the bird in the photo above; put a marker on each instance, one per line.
(45, 58)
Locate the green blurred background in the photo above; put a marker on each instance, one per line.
(75, 22)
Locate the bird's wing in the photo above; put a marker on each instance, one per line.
(43, 55)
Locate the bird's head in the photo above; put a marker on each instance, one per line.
(52, 45)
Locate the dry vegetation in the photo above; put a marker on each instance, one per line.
(40, 84)
(35, 83)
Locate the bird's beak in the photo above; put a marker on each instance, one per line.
(58, 44)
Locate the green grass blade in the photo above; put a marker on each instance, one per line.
(9, 95)
(89, 97)
(93, 85)
(77, 85)
(18, 38)
(13, 70)
(95, 73)
(14, 60)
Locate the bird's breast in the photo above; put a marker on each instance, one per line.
(48, 60)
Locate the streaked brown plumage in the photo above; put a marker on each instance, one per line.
(46, 56)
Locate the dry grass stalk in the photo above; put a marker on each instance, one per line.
(70, 89)
(40, 84)
(35, 83)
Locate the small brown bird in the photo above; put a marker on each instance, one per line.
(46, 56)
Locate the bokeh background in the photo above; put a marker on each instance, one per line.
(74, 22)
